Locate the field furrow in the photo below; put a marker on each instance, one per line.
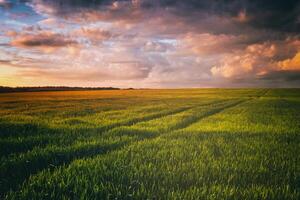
(47, 135)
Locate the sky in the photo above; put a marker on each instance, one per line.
(150, 43)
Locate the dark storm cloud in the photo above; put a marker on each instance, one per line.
(283, 76)
(277, 15)
(263, 14)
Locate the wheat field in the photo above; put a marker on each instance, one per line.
(151, 144)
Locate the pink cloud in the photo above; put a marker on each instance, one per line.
(95, 35)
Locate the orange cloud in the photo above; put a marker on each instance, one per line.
(234, 66)
(264, 50)
(11, 33)
(290, 64)
(255, 59)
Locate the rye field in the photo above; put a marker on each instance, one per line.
(151, 144)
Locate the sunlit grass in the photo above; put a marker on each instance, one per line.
(151, 144)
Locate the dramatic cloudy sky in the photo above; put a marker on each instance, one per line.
(150, 43)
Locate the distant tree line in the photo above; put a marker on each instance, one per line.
(51, 88)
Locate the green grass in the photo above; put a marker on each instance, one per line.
(151, 144)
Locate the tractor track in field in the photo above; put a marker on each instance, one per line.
(219, 110)
(209, 113)
(156, 116)
(43, 140)
(5, 132)
(105, 130)
(7, 142)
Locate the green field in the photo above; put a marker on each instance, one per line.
(151, 144)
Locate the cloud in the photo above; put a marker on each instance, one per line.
(208, 44)
(6, 62)
(255, 19)
(45, 40)
(261, 64)
(282, 76)
(90, 10)
(122, 70)
(5, 4)
(254, 59)
(95, 35)
(157, 42)
(290, 64)
(152, 46)
(260, 14)
(52, 23)
(11, 33)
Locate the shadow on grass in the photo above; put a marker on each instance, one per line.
(15, 171)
